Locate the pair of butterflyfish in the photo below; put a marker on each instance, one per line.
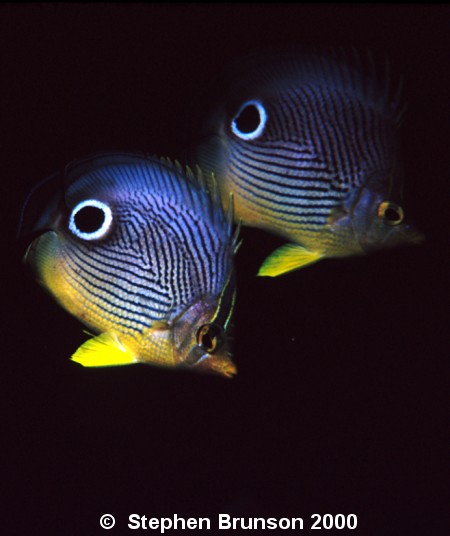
(141, 250)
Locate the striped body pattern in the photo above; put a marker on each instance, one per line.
(142, 253)
(309, 148)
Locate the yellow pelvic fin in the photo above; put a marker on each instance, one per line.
(105, 350)
(287, 258)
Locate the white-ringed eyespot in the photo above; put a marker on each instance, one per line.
(90, 220)
(250, 121)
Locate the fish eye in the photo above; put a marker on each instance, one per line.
(90, 219)
(250, 121)
(390, 212)
(210, 337)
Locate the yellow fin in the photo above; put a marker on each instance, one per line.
(105, 350)
(287, 258)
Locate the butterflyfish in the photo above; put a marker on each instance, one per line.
(140, 250)
(308, 144)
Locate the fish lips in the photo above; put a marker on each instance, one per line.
(402, 234)
(219, 364)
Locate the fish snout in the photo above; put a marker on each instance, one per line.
(221, 365)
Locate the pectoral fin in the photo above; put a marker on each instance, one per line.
(105, 350)
(287, 258)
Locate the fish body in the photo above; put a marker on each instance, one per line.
(309, 147)
(142, 253)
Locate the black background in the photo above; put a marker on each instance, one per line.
(339, 404)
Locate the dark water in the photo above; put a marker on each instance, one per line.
(339, 404)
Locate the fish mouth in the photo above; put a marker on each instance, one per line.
(220, 365)
(413, 235)
(403, 235)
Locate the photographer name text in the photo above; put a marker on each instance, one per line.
(228, 522)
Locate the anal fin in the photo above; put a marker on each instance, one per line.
(287, 258)
(105, 350)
